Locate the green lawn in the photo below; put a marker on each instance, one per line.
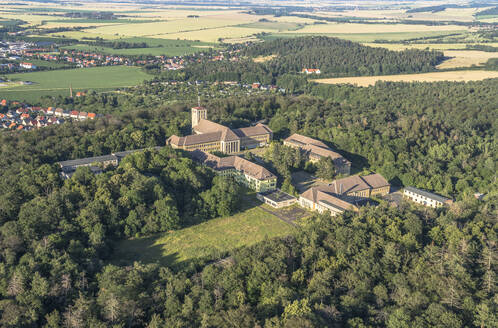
(57, 82)
(215, 236)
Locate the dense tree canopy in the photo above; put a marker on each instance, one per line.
(382, 267)
(341, 57)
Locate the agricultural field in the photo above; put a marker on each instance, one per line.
(354, 28)
(456, 52)
(215, 236)
(421, 46)
(156, 47)
(177, 26)
(365, 37)
(456, 76)
(466, 58)
(57, 82)
(216, 34)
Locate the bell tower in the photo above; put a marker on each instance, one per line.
(198, 114)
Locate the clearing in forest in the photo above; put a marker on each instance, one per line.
(456, 76)
(212, 237)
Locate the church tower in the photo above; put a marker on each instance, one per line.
(198, 114)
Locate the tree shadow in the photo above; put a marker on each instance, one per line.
(144, 250)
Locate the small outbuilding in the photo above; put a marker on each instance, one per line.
(276, 198)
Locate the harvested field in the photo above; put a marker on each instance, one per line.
(346, 28)
(402, 46)
(466, 58)
(456, 76)
(458, 58)
(175, 26)
(365, 37)
(213, 35)
(262, 59)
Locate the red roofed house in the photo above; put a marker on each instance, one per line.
(74, 114)
(27, 65)
(91, 116)
(3, 102)
(311, 71)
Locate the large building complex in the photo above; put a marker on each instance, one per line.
(425, 198)
(316, 149)
(344, 194)
(209, 136)
(96, 164)
(251, 175)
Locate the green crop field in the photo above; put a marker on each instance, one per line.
(216, 236)
(271, 25)
(57, 82)
(44, 63)
(156, 47)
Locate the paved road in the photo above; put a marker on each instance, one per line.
(278, 215)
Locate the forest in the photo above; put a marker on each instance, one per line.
(437, 136)
(382, 267)
(334, 57)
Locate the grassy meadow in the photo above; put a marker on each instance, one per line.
(215, 236)
(456, 76)
(57, 82)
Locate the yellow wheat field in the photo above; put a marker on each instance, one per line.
(213, 35)
(346, 28)
(465, 58)
(175, 26)
(456, 76)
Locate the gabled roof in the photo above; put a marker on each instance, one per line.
(349, 184)
(316, 148)
(87, 161)
(251, 131)
(429, 195)
(207, 126)
(375, 180)
(194, 139)
(305, 140)
(228, 135)
(232, 162)
(323, 195)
